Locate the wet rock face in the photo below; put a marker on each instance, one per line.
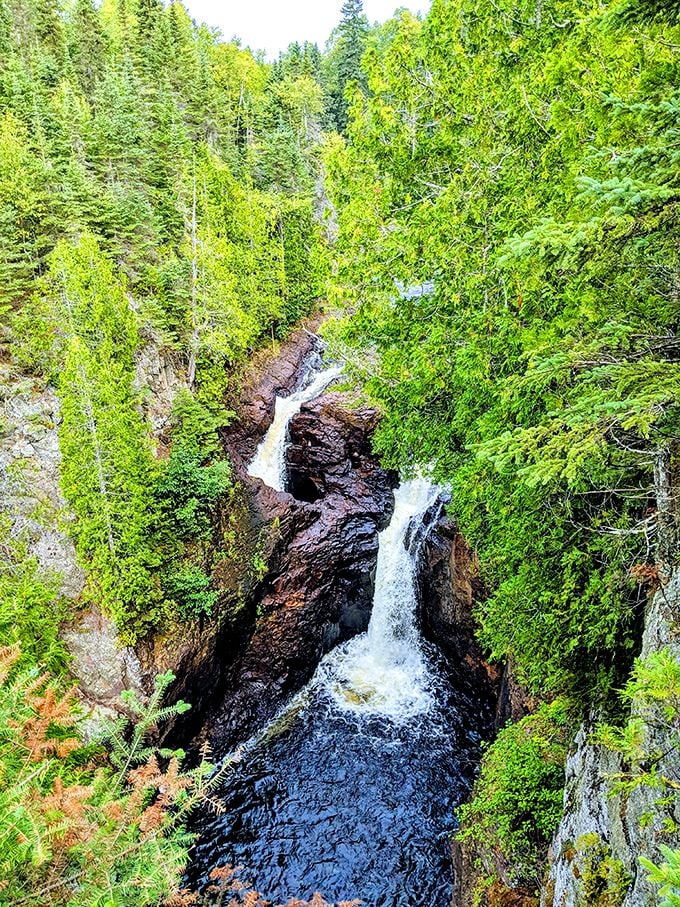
(449, 586)
(449, 589)
(329, 452)
(321, 557)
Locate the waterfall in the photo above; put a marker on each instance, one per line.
(352, 788)
(385, 670)
(269, 462)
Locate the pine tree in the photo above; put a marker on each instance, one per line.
(87, 46)
(346, 59)
(26, 222)
(88, 336)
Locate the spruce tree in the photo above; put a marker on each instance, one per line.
(87, 46)
(349, 51)
(26, 214)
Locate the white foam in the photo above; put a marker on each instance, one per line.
(385, 671)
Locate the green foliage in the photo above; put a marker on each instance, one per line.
(146, 195)
(303, 260)
(75, 828)
(667, 875)
(343, 64)
(189, 490)
(82, 331)
(652, 696)
(128, 750)
(645, 742)
(189, 588)
(31, 608)
(522, 157)
(517, 799)
(25, 212)
(194, 426)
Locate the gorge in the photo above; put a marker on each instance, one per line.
(340, 456)
(351, 788)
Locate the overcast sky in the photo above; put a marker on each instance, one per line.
(271, 25)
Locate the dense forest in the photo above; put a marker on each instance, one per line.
(524, 158)
(163, 189)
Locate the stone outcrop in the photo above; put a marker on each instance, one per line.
(103, 668)
(606, 831)
(449, 588)
(29, 477)
(159, 374)
(320, 554)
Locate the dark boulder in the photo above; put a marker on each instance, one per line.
(449, 586)
(330, 452)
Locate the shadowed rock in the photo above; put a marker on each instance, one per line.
(321, 556)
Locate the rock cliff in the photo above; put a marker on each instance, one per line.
(320, 555)
(603, 832)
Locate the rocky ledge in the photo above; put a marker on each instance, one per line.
(321, 552)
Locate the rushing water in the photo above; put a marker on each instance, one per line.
(269, 461)
(352, 789)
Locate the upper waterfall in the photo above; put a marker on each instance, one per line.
(269, 462)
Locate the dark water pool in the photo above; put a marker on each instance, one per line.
(351, 805)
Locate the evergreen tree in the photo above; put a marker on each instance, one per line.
(103, 111)
(345, 60)
(87, 46)
(541, 372)
(26, 222)
(83, 332)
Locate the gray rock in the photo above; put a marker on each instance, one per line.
(29, 478)
(101, 665)
(620, 828)
(159, 375)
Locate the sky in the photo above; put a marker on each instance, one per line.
(271, 25)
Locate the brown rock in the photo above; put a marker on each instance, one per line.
(321, 557)
(449, 588)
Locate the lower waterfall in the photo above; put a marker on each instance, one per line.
(385, 671)
(351, 790)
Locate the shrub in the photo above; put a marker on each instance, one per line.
(667, 875)
(30, 605)
(77, 828)
(189, 587)
(517, 799)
